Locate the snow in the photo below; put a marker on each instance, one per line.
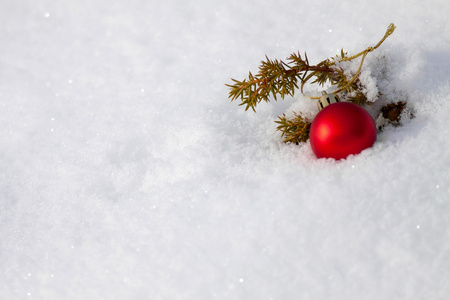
(126, 173)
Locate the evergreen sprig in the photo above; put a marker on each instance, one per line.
(294, 130)
(276, 78)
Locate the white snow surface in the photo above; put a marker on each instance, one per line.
(127, 173)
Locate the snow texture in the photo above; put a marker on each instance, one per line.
(126, 173)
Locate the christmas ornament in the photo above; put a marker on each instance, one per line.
(341, 129)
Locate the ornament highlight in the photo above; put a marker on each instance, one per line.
(342, 129)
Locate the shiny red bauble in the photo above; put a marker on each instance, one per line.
(341, 129)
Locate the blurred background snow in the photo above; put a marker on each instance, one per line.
(126, 173)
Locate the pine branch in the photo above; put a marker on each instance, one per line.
(295, 130)
(359, 98)
(275, 77)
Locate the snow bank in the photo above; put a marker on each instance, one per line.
(126, 173)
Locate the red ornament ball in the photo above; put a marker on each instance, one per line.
(341, 129)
